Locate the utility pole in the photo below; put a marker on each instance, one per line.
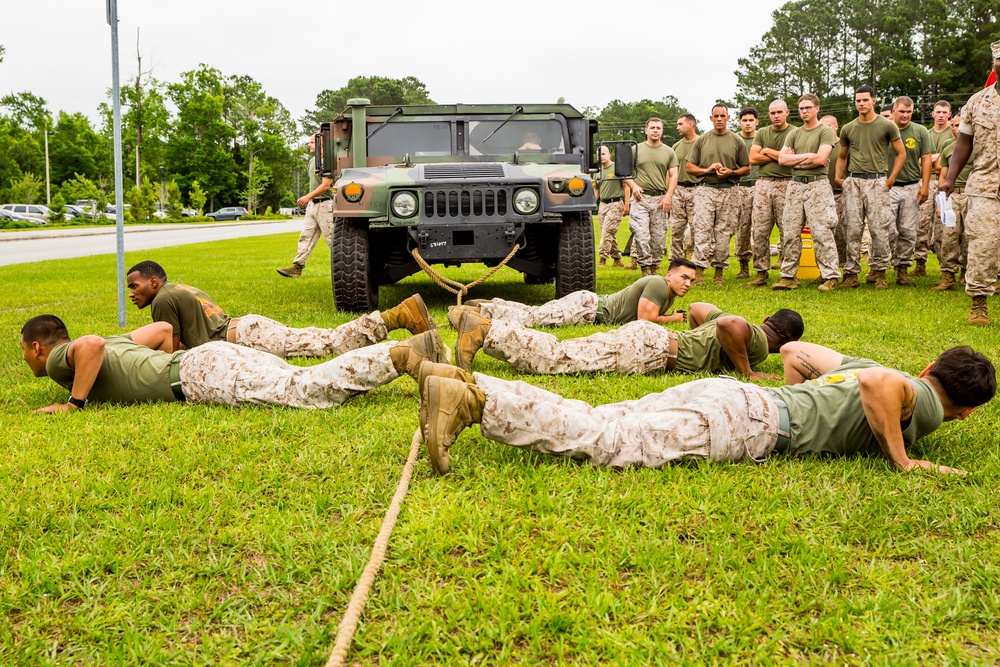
(48, 189)
(112, 9)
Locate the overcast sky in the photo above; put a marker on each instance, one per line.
(464, 51)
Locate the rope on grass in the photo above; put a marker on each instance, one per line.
(453, 286)
(349, 624)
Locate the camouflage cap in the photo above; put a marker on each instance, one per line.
(995, 46)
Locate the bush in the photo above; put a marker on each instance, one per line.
(16, 224)
(251, 216)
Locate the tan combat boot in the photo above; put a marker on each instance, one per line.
(645, 270)
(744, 270)
(293, 271)
(979, 316)
(903, 277)
(760, 280)
(602, 261)
(410, 354)
(632, 266)
(429, 368)
(785, 284)
(699, 277)
(447, 407)
(946, 284)
(870, 277)
(880, 282)
(618, 263)
(828, 285)
(472, 331)
(455, 313)
(850, 281)
(920, 270)
(411, 314)
(719, 279)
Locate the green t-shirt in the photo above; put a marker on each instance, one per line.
(826, 416)
(916, 143)
(963, 175)
(651, 166)
(775, 140)
(700, 350)
(315, 179)
(941, 140)
(869, 144)
(623, 306)
(131, 373)
(802, 140)
(754, 169)
(192, 313)
(607, 187)
(727, 149)
(681, 149)
(832, 168)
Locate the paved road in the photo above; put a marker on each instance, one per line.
(43, 244)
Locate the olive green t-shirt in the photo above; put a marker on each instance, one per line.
(963, 175)
(727, 149)
(700, 350)
(941, 140)
(131, 373)
(916, 143)
(192, 313)
(315, 179)
(869, 144)
(651, 166)
(826, 417)
(769, 137)
(607, 187)
(832, 168)
(802, 140)
(681, 150)
(623, 306)
(754, 168)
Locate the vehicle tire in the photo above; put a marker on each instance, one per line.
(354, 288)
(575, 265)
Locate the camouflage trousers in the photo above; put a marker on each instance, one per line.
(648, 224)
(716, 418)
(864, 197)
(925, 230)
(982, 233)
(319, 221)
(576, 308)
(768, 211)
(716, 212)
(840, 234)
(681, 214)
(744, 226)
(951, 240)
(275, 338)
(609, 216)
(636, 348)
(810, 204)
(904, 219)
(219, 372)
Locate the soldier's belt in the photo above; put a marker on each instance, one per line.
(175, 379)
(806, 179)
(718, 186)
(960, 191)
(611, 201)
(653, 193)
(784, 424)
(672, 351)
(773, 178)
(749, 184)
(862, 174)
(687, 185)
(897, 184)
(319, 200)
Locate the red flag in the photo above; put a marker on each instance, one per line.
(991, 80)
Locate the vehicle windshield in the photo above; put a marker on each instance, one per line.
(523, 136)
(413, 138)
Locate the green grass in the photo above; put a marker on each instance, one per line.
(183, 534)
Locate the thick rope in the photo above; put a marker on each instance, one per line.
(349, 624)
(453, 286)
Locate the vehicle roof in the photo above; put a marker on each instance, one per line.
(566, 110)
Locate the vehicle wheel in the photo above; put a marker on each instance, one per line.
(354, 289)
(575, 265)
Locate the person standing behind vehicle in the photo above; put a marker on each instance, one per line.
(652, 193)
(614, 197)
(319, 216)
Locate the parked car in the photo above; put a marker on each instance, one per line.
(109, 211)
(73, 211)
(7, 215)
(228, 213)
(36, 211)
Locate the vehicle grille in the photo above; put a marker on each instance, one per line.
(472, 203)
(441, 171)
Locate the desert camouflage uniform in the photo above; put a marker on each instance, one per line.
(576, 308)
(716, 211)
(262, 333)
(768, 211)
(636, 348)
(926, 238)
(609, 217)
(840, 235)
(744, 227)
(681, 214)
(220, 372)
(867, 197)
(319, 221)
(904, 217)
(982, 189)
(717, 418)
(810, 204)
(951, 240)
(648, 224)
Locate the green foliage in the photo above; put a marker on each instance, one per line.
(257, 180)
(80, 187)
(29, 189)
(174, 203)
(196, 197)
(142, 201)
(378, 89)
(58, 208)
(626, 120)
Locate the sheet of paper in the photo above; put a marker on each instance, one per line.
(947, 212)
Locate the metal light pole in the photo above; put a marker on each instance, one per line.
(48, 189)
(112, 9)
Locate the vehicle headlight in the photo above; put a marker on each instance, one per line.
(525, 201)
(404, 204)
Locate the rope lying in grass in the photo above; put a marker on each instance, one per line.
(453, 286)
(348, 625)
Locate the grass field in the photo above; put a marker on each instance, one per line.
(183, 534)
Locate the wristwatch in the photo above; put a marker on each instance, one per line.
(78, 403)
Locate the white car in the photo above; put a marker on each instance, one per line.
(36, 211)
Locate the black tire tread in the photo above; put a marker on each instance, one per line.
(350, 267)
(576, 268)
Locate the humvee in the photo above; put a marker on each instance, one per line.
(459, 184)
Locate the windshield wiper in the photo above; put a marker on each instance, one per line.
(518, 109)
(395, 113)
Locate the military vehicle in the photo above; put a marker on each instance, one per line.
(458, 184)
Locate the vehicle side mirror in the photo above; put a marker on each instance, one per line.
(624, 164)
